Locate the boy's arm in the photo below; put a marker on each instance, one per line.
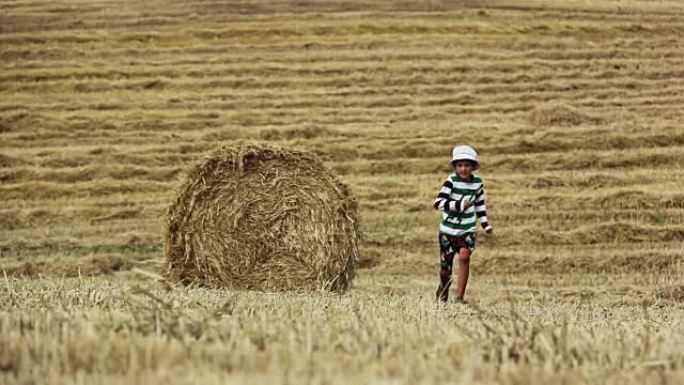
(444, 203)
(481, 210)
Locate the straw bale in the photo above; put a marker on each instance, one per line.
(253, 216)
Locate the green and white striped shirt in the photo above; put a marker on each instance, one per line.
(454, 192)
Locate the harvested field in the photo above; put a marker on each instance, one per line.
(574, 107)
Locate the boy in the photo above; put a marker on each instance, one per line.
(461, 200)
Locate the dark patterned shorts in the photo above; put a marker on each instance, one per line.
(450, 245)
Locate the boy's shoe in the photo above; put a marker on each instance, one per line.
(460, 301)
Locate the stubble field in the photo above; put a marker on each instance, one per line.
(574, 106)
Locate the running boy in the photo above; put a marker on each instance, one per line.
(461, 200)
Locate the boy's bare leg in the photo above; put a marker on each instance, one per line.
(463, 271)
(445, 278)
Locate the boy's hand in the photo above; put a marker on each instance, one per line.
(489, 230)
(466, 202)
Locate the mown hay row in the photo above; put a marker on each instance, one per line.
(560, 115)
(615, 262)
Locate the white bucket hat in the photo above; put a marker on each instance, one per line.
(465, 153)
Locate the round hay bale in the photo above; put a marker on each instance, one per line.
(257, 217)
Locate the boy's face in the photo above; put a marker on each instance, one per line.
(463, 168)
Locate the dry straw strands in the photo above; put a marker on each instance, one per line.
(252, 216)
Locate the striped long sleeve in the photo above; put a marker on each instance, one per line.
(444, 201)
(450, 201)
(481, 209)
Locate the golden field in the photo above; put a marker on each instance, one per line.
(574, 107)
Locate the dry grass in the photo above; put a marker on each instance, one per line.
(573, 105)
(99, 330)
